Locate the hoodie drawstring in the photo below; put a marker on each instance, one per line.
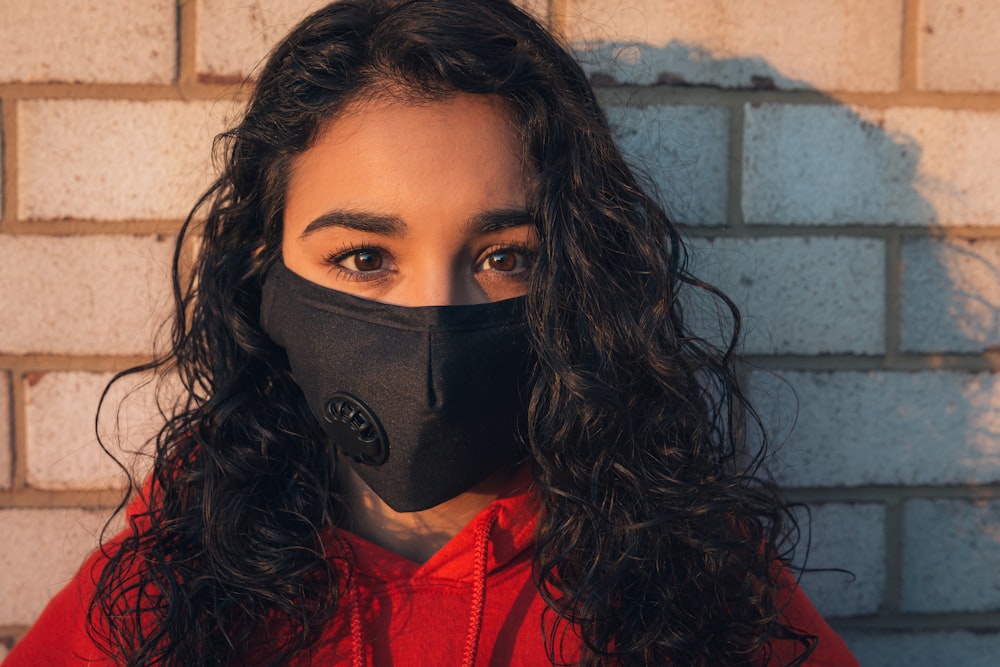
(479, 587)
(478, 603)
(357, 631)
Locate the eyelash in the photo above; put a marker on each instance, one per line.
(334, 259)
(520, 248)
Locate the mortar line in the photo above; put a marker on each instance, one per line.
(893, 297)
(876, 231)
(909, 623)
(558, 18)
(19, 428)
(8, 408)
(47, 363)
(187, 47)
(8, 146)
(893, 557)
(911, 46)
(888, 492)
(31, 498)
(986, 362)
(119, 91)
(671, 94)
(166, 228)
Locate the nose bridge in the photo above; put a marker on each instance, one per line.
(435, 386)
(441, 278)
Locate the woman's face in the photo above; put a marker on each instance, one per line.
(413, 204)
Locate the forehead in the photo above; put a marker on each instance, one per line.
(461, 153)
(459, 121)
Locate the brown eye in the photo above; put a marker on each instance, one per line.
(366, 260)
(502, 260)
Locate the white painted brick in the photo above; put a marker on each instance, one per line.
(931, 649)
(950, 295)
(3, 166)
(812, 295)
(838, 165)
(6, 432)
(537, 8)
(851, 537)
(959, 167)
(88, 41)
(960, 45)
(685, 151)
(62, 450)
(235, 36)
(951, 549)
(858, 428)
(114, 159)
(827, 165)
(835, 45)
(82, 294)
(40, 551)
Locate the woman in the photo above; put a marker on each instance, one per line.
(442, 404)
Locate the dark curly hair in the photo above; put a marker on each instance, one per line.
(658, 537)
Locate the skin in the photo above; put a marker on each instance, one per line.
(413, 204)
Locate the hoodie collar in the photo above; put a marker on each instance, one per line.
(513, 516)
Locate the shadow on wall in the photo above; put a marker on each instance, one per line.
(840, 242)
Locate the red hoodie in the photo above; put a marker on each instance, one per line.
(472, 603)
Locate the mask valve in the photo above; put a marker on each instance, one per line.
(354, 429)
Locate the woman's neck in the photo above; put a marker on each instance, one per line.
(414, 535)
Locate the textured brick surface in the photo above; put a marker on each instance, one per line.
(826, 165)
(742, 44)
(834, 165)
(39, 553)
(107, 41)
(951, 549)
(82, 294)
(114, 159)
(6, 432)
(950, 295)
(801, 295)
(930, 649)
(235, 36)
(958, 173)
(685, 151)
(537, 8)
(3, 169)
(850, 537)
(62, 450)
(857, 428)
(960, 45)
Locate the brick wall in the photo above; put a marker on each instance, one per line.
(834, 162)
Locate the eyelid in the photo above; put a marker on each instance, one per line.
(528, 251)
(335, 258)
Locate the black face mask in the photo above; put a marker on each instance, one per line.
(426, 402)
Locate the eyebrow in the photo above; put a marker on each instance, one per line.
(486, 222)
(498, 220)
(362, 221)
